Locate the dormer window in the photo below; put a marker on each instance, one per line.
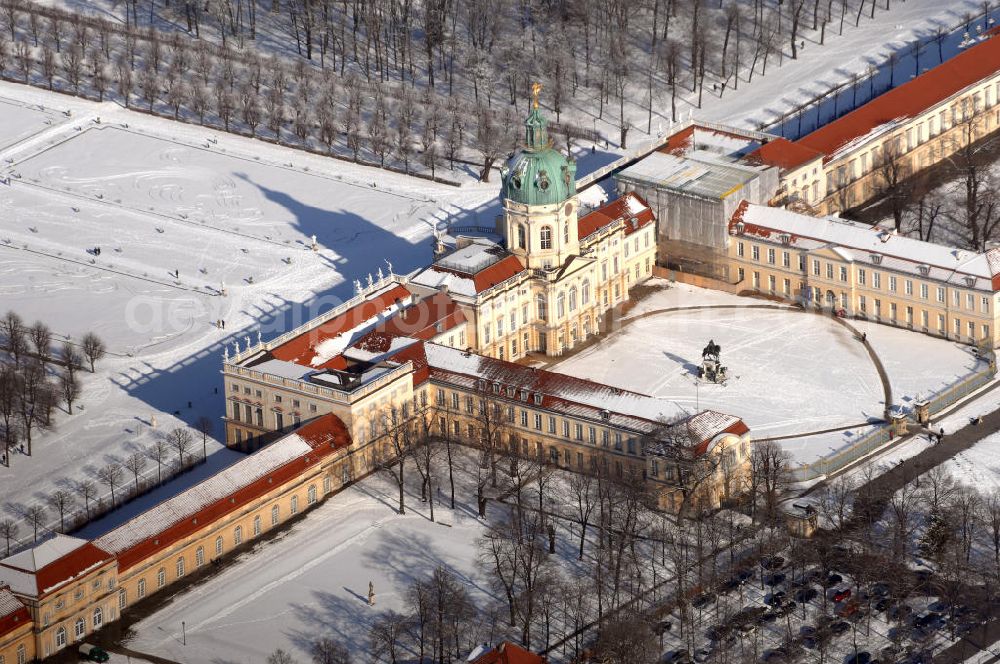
(785, 238)
(876, 259)
(924, 270)
(496, 388)
(538, 399)
(970, 281)
(606, 415)
(524, 395)
(738, 227)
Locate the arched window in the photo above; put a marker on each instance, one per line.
(294, 509)
(79, 628)
(98, 617)
(561, 305)
(161, 578)
(543, 307)
(546, 237)
(327, 484)
(140, 588)
(572, 298)
(237, 535)
(199, 556)
(61, 637)
(218, 545)
(566, 233)
(122, 599)
(521, 236)
(256, 525)
(274, 515)
(180, 567)
(311, 494)
(585, 292)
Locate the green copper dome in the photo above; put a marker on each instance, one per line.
(538, 174)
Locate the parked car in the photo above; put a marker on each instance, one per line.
(840, 627)
(93, 653)
(775, 599)
(778, 654)
(702, 600)
(805, 595)
(677, 657)
(848, 609)
(703, 654)
(832, 580)
(863, 657)
(772, 563)
(774, 579)
(841, 595)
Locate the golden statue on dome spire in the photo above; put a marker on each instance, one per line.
(536, 89)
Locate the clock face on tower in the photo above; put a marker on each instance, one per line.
(568, 210)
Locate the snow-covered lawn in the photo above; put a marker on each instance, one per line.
(790, 372)
(978, 466)
(177, 211)
(21, 121)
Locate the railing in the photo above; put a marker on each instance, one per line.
(837, 460)
(341, 396)
(960, 389)
(659, 141)
(362, 295)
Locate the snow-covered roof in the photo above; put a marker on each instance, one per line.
(50, 565)
(190, 502)
(470, 269)
(706, 178)
(8, 603)
(860, 242)
(13, 614)
(46, 553)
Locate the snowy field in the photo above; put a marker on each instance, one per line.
(177, 213)
(790, 372)
(21, 121)
(312, 581)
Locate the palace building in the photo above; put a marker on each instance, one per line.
(424, 356)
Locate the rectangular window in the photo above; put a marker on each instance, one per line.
(593, 436)
(786, 287)
(843, 273)
(861, 276)
(524, 418)
(565, 429)
(552, 424)
(578, 431)
(770, 255)
(829, 270)
(941, 323)
(923, 291)
(815, 267)
(755, 252)
(892, 284)
(802, 263)
(970, 301)
(876, 280)
(986, 305)
(862, 303)
(940, 294)
(538, 422)
(786, 259)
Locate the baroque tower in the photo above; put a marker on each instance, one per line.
(539, 198)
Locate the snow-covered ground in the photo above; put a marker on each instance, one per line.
(177, 211)
(790, 372)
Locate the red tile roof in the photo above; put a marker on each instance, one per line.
(625, 207)
(13, 614)
(909, 99)
(783, 153)
(421, 320)
(496, 273)
(509, 653)
(325, 435)
(300, 350)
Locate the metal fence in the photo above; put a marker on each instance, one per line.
(837, 460)
(870, 442)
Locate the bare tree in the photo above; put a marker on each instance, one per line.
(393, 447)
(110, 475)
(135, 463)
(69, 389)
(88, 491)
(41, 340)
(204, 425)
(14, 333)
(386, 634)
(626, 641)
(61, 501)
(34, 515)
(8, 531)
(328, 651)
(180, 439)
(280, 656)
(93, 349)
(158, 452)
